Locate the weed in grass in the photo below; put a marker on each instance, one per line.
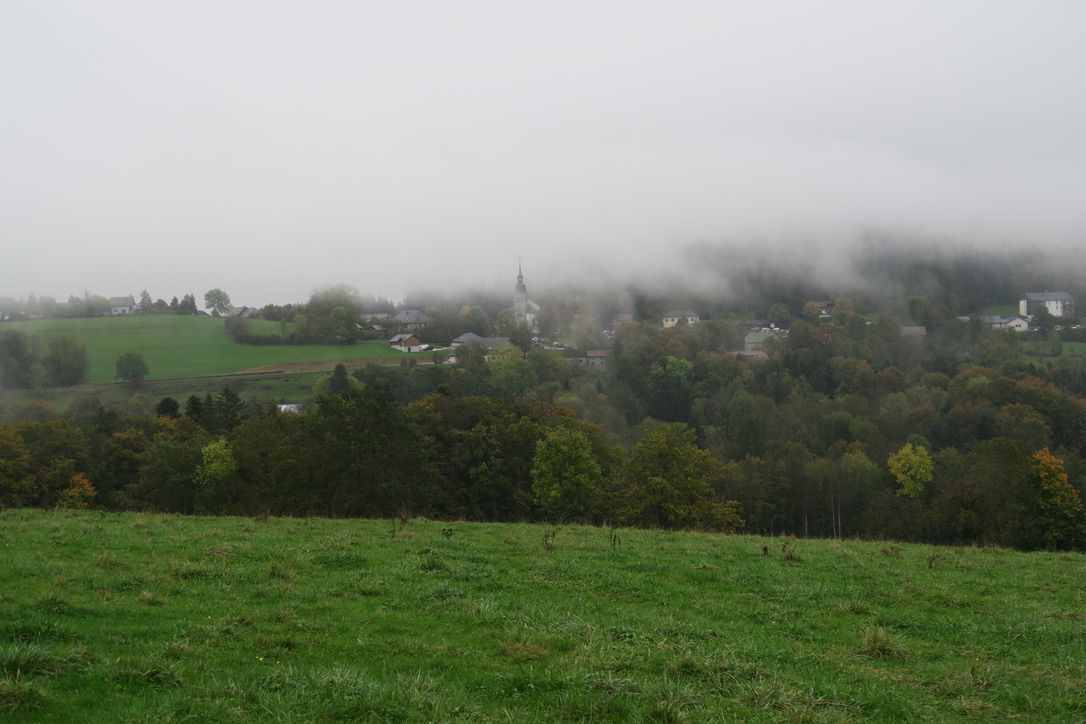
(880, 643)
(931, 560)
(54, 604)
(609, 682)
(221, 552)
(280, 573)
(431, 563)
(891, 550)
(35, 632)
(178, 649)
(16, 693)
(191, 572)
(447, 532)
(108, 562)
(788, 551)
(548, 539)
(444, 593)
(855, 608)
(165, 676)
(521, 651)
(31, 659)
(148, 598)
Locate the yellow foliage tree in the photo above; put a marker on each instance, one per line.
(1061, 505)
(911, 466)
(79, 494)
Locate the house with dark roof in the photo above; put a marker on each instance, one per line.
(757, 340)
(122, 305)
(1018, 323)
(406, 342)
(685, 316)
(1058, 304)
(589, 358)
(470, 339)
(412, 320)
(913, 331)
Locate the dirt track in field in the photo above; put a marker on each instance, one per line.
(323, 365)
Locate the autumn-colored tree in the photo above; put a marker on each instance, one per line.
(668, 481)
(911, 467)
(79, 494)
(216, 476)
(1062, 510)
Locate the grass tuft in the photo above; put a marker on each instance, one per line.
(880, 643)
(18, 694)
(32, 659)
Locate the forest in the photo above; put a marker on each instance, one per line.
(844, 427)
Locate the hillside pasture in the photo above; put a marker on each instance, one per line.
(122, 617)
(188, 346)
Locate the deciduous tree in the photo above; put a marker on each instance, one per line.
(911, 467)
(566, 476)
(217, 301)
(131, 367)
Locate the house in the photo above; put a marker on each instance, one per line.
(913, 331)
(488, 343)
(412, 320)
(122, 305)
(242, 312)
(621, 319)
(684, 316)
(406, 343)
(1017, 323)
(290, 409)
(592, 358)
(757, 340)
(819, 309)
(1058, 304)
(469, 339)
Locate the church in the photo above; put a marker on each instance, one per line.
(524, 309)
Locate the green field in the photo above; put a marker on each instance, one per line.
(187, 346)
(126, 617)
(1038, 351)
(1002, 310)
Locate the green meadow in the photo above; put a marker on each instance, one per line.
(137, 617)
(187, 346)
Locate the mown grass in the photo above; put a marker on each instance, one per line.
(185, 346)
(150, 617)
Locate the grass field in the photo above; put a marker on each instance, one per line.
(149, 617)
(186, 346)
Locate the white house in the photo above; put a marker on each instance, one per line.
(122, 305)
(1058, 304)
(1017, 323)
(687, 316)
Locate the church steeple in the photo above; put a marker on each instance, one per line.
(520, 280)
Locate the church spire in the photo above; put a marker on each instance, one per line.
(520, 279)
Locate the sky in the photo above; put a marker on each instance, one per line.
(269, 148)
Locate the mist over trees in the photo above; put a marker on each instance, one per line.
(877, 406)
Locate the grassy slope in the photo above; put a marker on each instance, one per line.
(184, 346)
(136, 617)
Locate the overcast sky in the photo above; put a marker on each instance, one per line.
(271, 147)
